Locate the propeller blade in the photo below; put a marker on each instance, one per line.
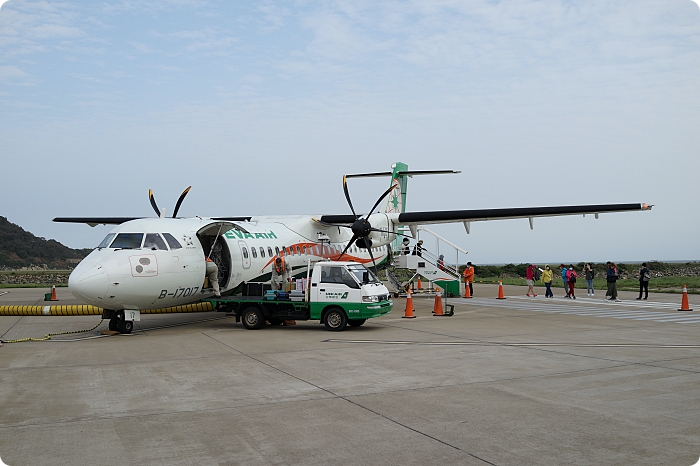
(153, 202)
(371, 255)
(347, 194)
(179, 201)
(352, 240)
(386, 193)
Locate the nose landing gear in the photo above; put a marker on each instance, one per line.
(117, 323)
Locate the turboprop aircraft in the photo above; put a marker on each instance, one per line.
(159, 263)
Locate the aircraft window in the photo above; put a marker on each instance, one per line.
(338, 275)
(262, 252)
(303, 249)
(127, 241)
(269, 251)
(108, 239)
(255, 254)
(277, 250)
(245, 252)
(298, 250)
(154, 242)
(172, 242)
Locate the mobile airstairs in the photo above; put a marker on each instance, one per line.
(445, 275)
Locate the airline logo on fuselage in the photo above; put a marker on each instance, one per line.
(236, 234)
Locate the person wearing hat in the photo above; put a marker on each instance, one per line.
(418, 249)
(281, 272)
(468, 275)
(530, 279)
(564, 278)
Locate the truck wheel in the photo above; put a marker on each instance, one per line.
(253, 318)
(336, 320)
(356, 322)
(113, 324)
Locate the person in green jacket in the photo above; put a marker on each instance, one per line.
(547, 277)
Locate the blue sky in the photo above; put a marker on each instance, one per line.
(537, 102)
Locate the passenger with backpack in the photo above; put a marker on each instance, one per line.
(644, 277)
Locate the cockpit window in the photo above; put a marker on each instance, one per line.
(127, 241)
(108, 239)
(154, 242)
(172, 242)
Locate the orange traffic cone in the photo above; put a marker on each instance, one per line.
(53, 293)
(467, 293)
(409, 307)
(500, 291)
(684, 300)
(420, 287)
(437, 307)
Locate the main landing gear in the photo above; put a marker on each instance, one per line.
(117, 323)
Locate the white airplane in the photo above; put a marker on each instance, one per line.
(154, 263)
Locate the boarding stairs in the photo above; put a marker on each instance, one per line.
(445, 275)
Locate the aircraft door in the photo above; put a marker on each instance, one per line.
(245, 254)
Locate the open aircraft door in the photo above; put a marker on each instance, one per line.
(216, 247)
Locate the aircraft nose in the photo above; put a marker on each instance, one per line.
(89, 285)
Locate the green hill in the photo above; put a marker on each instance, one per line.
(20, 248)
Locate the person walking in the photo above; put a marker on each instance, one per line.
(418, 249)
(530, 280)
(571, 278)
(563, 279)
(590, 274)
(547, 277)
(468, 275)
(644, 277)
(611, 276)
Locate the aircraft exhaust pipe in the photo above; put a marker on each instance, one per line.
(87, 310)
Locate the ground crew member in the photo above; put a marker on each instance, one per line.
(213, 276)
(281, 273)
(469, 277)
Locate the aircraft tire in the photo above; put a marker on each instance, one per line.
(253, 318)
(335, 319)
(356, 322)
(125, 326)
(113, 324)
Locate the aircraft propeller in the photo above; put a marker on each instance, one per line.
(161, 213)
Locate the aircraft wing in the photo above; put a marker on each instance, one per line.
(480, 215)
(93, 221)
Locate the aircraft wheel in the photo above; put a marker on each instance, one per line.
(125, 326)
(253, 318)
(113, 323)
(336, 320)
(356, 322)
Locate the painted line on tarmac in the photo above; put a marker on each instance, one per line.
(495, 343)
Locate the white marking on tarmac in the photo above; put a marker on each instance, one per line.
(589, 308)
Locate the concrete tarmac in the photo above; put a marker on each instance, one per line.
(523, 381)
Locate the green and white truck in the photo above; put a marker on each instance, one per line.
(338, 294)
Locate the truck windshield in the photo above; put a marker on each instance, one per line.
(359, 272)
